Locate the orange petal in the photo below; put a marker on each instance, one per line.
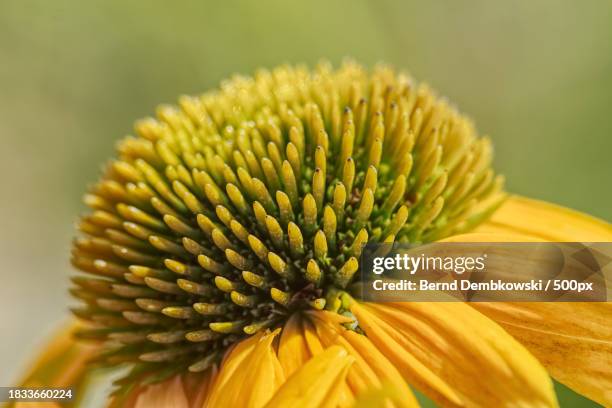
(198, 386)
(36, 405)
(62, 364)
(165, 394)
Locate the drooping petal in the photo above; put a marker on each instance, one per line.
(62, 364)
(504, 236)
(316, 347)
(549, 222)
(572, 340)
(360, 377)
(315, 384)
(198, 386)
(293, 351)
(473, 361)
(165, 394)
(253, 363)
(390, 342)
(188, 390)
(312, 338)
(371, 369)
(383, 397)
(234, 359)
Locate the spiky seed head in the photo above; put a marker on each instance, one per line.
(236, 208)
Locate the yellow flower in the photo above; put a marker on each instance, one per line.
(222, 244)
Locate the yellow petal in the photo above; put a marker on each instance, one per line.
(501, 236)
(254, 364)
(234, 358)
(512, 236)
(315, 346)
(360, 377)
(330, 317)
(315, 384)
(473, 361)
(165, 394)
(384, 397)
(311, 338)
(371, 369)
(572, 340)
(549, 222)
(293, 351)
(384, 369)
(392, 344)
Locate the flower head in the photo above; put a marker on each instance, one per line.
(222, 244)
(227, 214)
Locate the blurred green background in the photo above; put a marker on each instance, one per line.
(535, 75)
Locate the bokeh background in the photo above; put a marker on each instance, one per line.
(535, 75)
